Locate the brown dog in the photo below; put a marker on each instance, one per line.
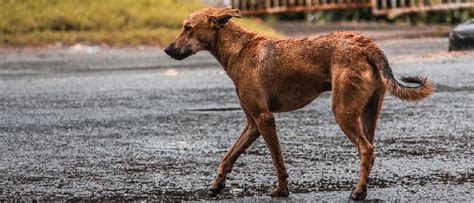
(273, 75)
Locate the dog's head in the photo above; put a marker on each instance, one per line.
(199, 31)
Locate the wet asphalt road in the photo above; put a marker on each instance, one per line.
(159, 134)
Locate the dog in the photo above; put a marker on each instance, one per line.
(281, 75)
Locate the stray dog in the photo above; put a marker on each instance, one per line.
(273, 75)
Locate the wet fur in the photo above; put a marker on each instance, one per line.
(280, 75)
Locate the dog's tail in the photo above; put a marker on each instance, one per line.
(421, 89)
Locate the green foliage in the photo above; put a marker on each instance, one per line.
(27, 16)
(115, 22)
(160, 36)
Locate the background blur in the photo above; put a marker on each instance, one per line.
(156, 22)
(107, 22)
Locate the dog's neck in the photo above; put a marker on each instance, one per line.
(230, 41)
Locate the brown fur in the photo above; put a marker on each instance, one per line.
(273, 75)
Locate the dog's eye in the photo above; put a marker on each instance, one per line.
(187, 28)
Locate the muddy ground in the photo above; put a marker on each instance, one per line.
(158, 133)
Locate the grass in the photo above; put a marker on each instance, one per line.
(112, 22)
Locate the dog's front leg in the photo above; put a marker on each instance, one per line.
(249, 134)
(267, 127)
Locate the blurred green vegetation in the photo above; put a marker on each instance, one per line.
(152, 22)
(113, 22)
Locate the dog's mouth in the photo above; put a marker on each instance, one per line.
(177, 54)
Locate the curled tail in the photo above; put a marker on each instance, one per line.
(418, 92)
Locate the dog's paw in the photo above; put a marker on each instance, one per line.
(214, 190)
(280, 192)
(358, 194)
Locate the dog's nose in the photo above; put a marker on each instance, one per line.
(169, 49)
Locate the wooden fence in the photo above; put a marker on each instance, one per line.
(378, 7)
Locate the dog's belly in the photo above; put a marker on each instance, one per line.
(292, 84)
(291, 74)
(290, 99)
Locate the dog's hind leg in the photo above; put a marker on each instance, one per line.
(369, 117)
(249, 134)
(350, 94)
(371, 113)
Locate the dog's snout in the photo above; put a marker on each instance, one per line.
(178, 53)
(169, 49)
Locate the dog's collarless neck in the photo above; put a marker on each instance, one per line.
(230, 41)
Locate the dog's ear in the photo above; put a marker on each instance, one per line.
(224, 15)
